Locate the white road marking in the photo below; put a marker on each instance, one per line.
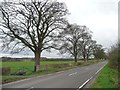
(46, 75)
(84, 83)
(72, 74)
(30, 88)
(99, 70)
(90, 78)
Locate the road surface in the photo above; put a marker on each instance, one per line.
(73, 78)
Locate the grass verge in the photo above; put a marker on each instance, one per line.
(29, 67)
(108, 78)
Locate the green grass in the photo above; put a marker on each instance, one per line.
(108, 78)
(29, 65)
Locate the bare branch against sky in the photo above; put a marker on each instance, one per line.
(101, 16)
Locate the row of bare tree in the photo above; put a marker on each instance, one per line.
(42, 25)
(77, 41)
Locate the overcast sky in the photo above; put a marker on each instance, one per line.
(100, 16)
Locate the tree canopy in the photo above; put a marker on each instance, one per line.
(31, 25)
(42, 25)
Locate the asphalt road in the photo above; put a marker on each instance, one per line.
(72, 78)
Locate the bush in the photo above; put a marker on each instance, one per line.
(113, 57)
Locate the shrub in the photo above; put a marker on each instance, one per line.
(114, 56)
(114, 59)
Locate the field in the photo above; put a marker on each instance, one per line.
(29, 65)
(108, 78)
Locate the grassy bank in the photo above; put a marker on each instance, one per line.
(108, 78)
(28, 67)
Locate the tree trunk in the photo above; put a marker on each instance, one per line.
(37, 61)
(84, 56)
(75, 58)
(87, 57)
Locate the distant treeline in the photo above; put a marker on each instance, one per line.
(5, 59)
(64, 59)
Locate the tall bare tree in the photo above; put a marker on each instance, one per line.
(89, 48)
(69, 40)
(31, 25)
(85, 40)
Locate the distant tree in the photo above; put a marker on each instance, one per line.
(31, 25)
(69, 40)
(99, 52)
(89, 49)
(85, 41)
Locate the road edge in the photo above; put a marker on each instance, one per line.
(84, 85)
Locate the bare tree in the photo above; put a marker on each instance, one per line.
(90, 47)
(69, 40)
(99, 52)
(85, 40)
(31, 25)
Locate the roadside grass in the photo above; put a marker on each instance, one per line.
(28, 67)
(108, 78)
